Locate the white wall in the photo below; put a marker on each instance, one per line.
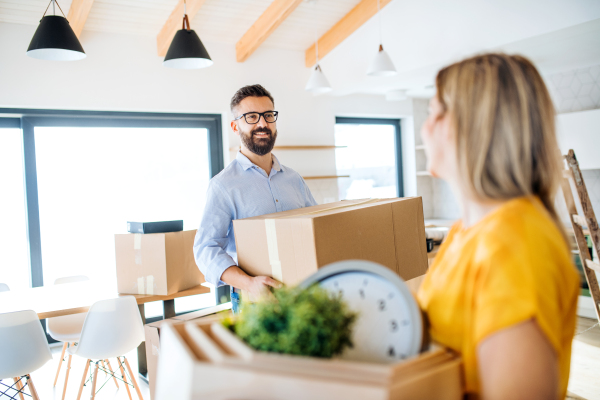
(123, 73)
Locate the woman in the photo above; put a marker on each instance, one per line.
(503, 290)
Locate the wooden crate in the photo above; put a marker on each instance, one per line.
(200, 360)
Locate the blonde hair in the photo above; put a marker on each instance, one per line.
(503, 119)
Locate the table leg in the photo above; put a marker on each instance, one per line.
(168, 309)
(141, 350)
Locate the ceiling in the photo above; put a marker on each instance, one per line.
(420, 36)
(218, 21)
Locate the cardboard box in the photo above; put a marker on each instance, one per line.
(291, 245)
(200, 362)
(152, 334)
(157, 263)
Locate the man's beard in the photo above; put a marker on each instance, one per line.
(260, 146)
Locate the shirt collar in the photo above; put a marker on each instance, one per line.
(247, 164)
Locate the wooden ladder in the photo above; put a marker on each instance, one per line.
(577, 222)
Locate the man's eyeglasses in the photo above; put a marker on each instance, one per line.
(253, 117)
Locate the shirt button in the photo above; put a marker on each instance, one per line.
(277, 200)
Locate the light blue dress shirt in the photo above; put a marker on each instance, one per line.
(242, 190)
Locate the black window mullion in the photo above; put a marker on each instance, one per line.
(32, 210)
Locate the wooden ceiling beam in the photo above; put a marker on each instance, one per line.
(78, 14)
(343, 28)
(173, 24)
(264, 26)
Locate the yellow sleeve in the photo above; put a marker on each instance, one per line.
(517, 283)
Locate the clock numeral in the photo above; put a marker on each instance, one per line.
(394, 326)
(391, 296)
(381, 304)
(391, 351)
(341, 292)
(362, 293)
(405, 322)
(365, 282)
(336, 284)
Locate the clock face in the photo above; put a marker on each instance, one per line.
(389, 327)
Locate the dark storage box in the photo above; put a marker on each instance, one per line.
(155, 227)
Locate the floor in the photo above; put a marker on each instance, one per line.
(584, 382)
(44, 379)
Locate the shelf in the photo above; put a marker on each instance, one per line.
(236, 148)
(423, 173)
(420, 147)
(326, 177)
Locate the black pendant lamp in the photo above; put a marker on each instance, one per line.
(54, 39)
(186, 50)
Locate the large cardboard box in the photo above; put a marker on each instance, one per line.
(152, 334)
(157, 263)
(197, 361)
(291, 245)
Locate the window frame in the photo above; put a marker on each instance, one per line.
(397, 138)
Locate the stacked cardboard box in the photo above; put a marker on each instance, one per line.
(156, 263)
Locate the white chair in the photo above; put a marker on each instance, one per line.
(23, 349)
(4, 287)
(111, 329)
(67, 329)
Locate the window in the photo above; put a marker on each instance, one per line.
(14, 263)
(370, 154)
(86, 174)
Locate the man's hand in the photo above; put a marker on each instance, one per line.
(255, 286)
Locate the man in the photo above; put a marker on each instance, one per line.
(255, 183)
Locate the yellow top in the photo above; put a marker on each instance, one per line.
(510, 267)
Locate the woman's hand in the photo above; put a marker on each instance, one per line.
(518, 363)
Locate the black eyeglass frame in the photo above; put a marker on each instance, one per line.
(276, 113)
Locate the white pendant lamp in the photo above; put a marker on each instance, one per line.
(382, 64)
(317, 83)
(54, 39)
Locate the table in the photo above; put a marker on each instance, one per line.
(78, 297)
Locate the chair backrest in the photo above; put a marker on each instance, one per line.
(70, 279)
(4, 287)
(57, 325)
(23, 345)
(112, 328)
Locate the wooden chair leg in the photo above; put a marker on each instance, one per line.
(62, 357)
(112, 372)
(32, 390)
(133, 380)
(19, 386)
(94, 380)
(87, 365)
(67, 377)
(124, 378)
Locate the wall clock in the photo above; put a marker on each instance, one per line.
(389, 327)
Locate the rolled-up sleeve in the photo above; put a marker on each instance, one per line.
(212, 236)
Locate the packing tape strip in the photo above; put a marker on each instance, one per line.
(137, 248)
(141, 289)
(150, 284)
(273, 250)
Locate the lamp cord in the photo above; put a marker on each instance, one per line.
(53, 8)
(379, 14)
(185, 17)
(316, 37)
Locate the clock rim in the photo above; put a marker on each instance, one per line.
(345, 266)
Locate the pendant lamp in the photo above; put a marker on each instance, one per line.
(186, 50)
(382, 64)
(54, 39)
(317, 83)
